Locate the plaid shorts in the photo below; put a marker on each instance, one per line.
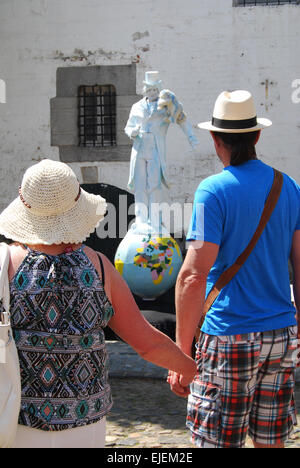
(244, 385)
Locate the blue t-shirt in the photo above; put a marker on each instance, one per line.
(258, 298)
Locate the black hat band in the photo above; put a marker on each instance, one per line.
(234, 124)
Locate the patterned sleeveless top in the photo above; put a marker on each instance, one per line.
(58, 311)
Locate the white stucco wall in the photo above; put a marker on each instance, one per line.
(199, 47)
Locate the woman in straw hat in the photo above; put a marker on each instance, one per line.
(247, 346)
(62, 296)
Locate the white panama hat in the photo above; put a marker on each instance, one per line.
(152, 78)
(51, 207)
(234, 112)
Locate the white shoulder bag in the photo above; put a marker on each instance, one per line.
(10, 381)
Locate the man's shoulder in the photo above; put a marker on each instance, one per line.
(292, 181)
(214, 182)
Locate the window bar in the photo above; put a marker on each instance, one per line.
(102, 117)
(95, 127)
(84, 116)
(112, 120)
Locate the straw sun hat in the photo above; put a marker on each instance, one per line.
(235, 112)
(51, 207)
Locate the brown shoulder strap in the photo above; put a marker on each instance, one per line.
(228, 274)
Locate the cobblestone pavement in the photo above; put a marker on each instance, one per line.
(146, 414)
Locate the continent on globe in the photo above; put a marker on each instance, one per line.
(157, 255)
(148, 262)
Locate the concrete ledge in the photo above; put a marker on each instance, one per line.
(123, 77)
(79, 154)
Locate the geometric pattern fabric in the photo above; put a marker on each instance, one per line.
(58, 311)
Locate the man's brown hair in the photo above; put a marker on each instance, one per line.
(242, 146)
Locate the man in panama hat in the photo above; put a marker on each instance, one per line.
(247, 348)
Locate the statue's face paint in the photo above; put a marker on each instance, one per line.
(152, 93)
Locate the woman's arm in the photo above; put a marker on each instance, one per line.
(133, 328)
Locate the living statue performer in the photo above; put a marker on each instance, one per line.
(148, 258)
(147, 125)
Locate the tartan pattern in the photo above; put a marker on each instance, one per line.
(244, 385)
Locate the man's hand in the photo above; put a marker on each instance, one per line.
(179, 385)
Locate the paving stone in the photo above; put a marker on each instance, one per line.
(127, 442)
(166, 440)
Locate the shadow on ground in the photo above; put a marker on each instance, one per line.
(146, 400)
(146, 414)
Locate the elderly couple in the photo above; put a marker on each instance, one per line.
(63, 294)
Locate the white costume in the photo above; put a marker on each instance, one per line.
(148, 124)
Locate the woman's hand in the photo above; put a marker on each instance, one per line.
(179, 383)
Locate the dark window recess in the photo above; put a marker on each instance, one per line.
(265, 2)
(97, 116)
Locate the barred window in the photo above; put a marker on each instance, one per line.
(97, 115)
(264, 2)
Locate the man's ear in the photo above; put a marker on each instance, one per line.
(216, 139)
(257, 137)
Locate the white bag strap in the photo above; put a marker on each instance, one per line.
(4, 283)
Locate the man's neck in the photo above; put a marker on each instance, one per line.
(225, 157)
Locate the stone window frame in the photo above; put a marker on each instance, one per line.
(64, 111)
(246, 3)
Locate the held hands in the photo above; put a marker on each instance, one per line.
(176, 384)
(179, 383)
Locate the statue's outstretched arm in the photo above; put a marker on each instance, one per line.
(175, 114)
(187, 129)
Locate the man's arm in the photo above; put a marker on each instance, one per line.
(190, 290)
(295, 259)
(190, 297)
